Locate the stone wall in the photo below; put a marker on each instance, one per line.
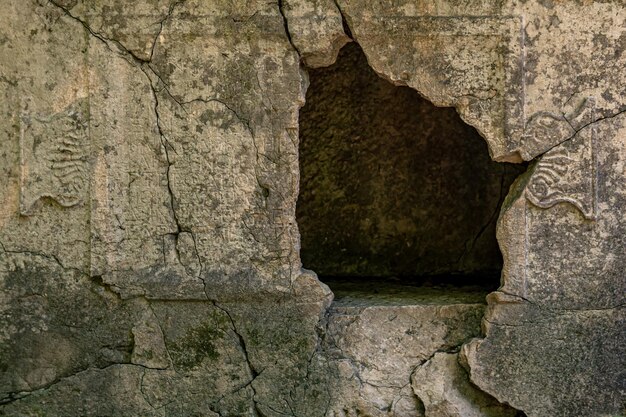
(149, 246)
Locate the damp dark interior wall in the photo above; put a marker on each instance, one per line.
(392, 185)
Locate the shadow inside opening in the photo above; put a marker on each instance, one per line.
(396, 194)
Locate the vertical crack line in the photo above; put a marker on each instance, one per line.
(158, 323)
(344, 22)
(170, 10)
(253, 372)
(195, 247)
(165, 144)
(281, 10)
(144, 66)
(168, 174)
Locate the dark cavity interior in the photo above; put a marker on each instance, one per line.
(393, 187)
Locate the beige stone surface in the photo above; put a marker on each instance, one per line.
(376, 348)
(316, 30)
(149, 249)
(444, 387)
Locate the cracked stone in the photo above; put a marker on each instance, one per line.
(444, 388)
(150, 254)
(378, 344)
(136, 28)
(149, 348)
(316, 29)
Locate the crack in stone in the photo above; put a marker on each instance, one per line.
(47, 256)
(20, 395)
(145, 397)
(98, 35)
(241, 119)
(141, 64)
(117, 43)
(158, 323)
(171, 8)
(147, 69)
(576, 131)
(16, 396)
(456, 350)
(195, 247)
(281, 10)
(242, 343)
(144, 66)
(165, 144)
(344, 22)
(167, 147)
(98, 280)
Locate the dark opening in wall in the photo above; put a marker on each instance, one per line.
(393, 186)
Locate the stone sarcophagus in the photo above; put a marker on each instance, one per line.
(313, 208)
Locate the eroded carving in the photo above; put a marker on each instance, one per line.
(583, 114)
(54, 156)
(545, 130)
(566, 174)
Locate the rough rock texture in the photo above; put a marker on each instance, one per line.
(149, 250)
(377, 347)
(443, 386)
(390, 184)
(320, 32)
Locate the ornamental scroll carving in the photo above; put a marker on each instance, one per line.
(566, 174)
(54, 157)
(544, 130)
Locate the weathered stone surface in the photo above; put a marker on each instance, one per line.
(444, 388)
(316, 30)
(570, 256)
(558, 363)
(562, 303)
(115, 390)
(282, 340)
(149, 250)
(55, 324)
(558, 246)
(503, 64)
(453, 59)
(377, 347)
(41, 103)
(135, 26)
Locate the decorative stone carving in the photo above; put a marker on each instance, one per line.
(54, 152)
(545, 130)
(566, 174)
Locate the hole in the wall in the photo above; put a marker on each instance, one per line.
(393, 190)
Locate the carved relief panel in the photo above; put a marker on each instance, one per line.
(54, 156)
